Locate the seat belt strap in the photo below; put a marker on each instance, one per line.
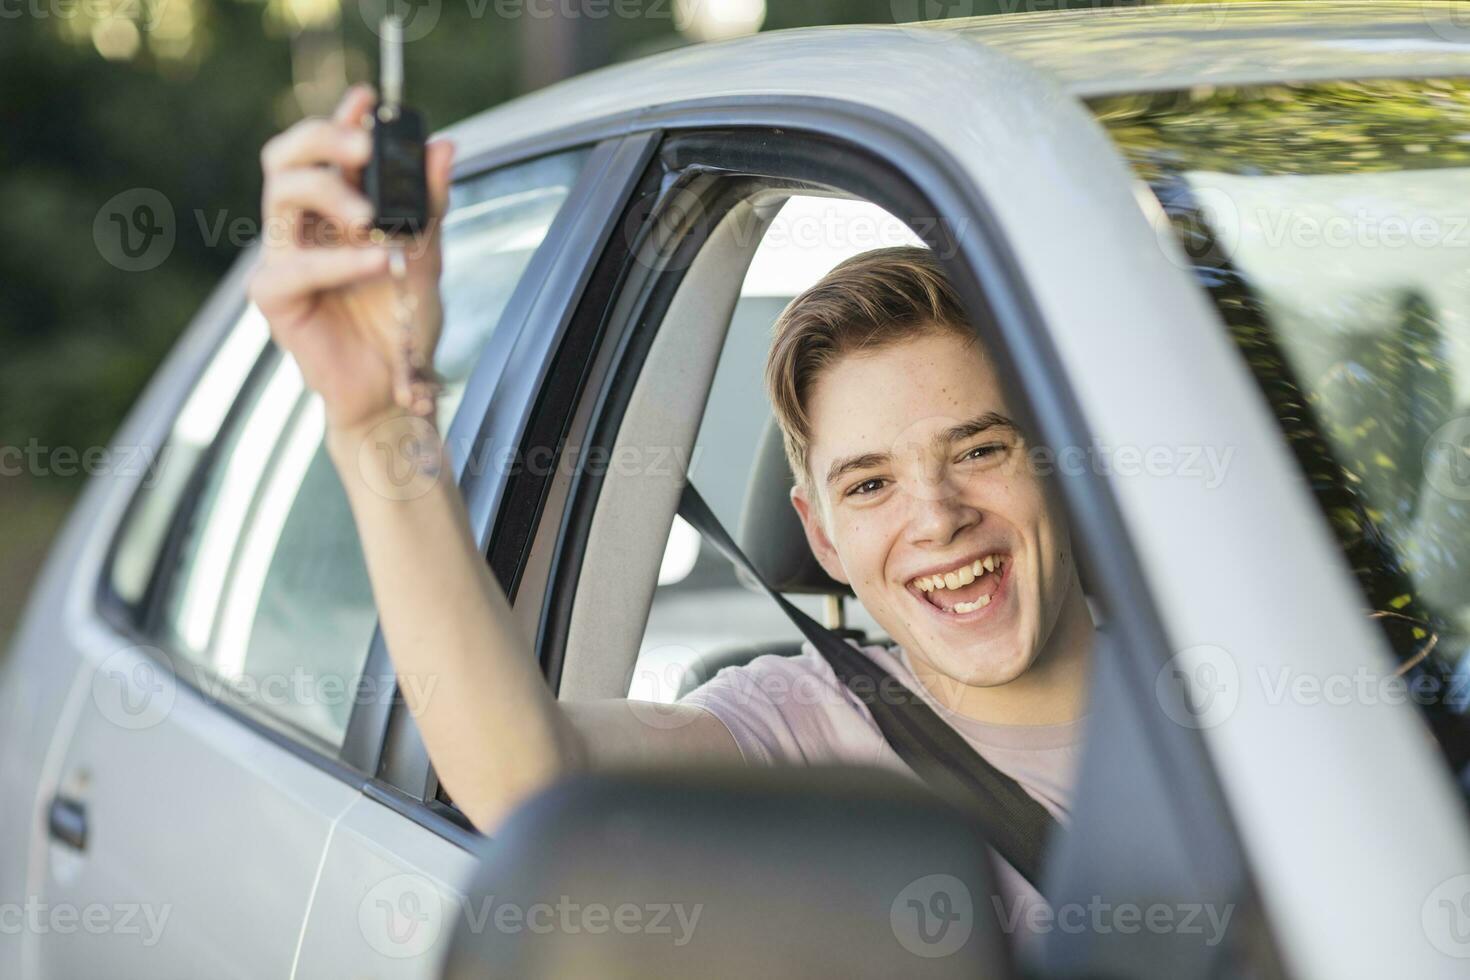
(1014, 823)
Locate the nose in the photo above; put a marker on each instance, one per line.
(937, 510)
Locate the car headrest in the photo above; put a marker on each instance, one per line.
(771, 534)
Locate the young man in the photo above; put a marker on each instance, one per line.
(912, 485)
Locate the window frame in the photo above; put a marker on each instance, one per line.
(895, 167)
(356, 761)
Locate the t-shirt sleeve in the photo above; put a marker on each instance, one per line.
(761, 704)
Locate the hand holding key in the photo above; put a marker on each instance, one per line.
(323, 282)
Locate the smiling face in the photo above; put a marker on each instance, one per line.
(921, 499)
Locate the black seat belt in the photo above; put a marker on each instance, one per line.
(1015, 825)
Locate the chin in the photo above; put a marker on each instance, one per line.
(989, 664)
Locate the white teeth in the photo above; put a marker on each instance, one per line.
(964, 607)
(960, 576)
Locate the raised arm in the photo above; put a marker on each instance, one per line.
(467, 673)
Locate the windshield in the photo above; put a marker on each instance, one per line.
(1330, 224)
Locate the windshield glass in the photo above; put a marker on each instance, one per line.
(1330, 224)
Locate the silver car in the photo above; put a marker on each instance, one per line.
(1220, 251)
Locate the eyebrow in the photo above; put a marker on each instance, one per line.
(983, 422)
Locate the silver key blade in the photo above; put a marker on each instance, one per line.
(390, 50)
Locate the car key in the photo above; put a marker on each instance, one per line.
(395, 179)
(395, 182)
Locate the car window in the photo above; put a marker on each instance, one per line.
(1329, 223)
(701, 608)
(264, 588)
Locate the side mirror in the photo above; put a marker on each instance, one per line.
(798, 873)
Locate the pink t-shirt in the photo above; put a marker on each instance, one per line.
(794, 711)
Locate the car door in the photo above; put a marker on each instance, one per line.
(207, 749)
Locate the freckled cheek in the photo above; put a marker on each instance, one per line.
(866, 553)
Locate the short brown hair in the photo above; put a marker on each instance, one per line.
(866, 303)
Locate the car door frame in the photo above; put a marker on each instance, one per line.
(988, 279)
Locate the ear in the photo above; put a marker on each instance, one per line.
(816, 535)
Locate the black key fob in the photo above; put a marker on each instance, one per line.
(396, 181)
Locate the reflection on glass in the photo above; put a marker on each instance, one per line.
(1330, 224)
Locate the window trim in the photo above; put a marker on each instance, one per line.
(386, 743)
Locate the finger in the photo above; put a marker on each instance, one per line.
(312, 142)
(438, 164)
(314, 190)
(304, 272)
(356, 102)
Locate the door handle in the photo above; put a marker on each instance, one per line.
(68, 822)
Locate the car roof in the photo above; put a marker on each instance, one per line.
(1125, 49)
(1091, 52)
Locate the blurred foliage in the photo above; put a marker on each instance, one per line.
(1361, 422)
(1337, 128)
(191, 92)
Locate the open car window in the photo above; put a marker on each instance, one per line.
(701, 609)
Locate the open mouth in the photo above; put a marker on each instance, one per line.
(965, 588)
